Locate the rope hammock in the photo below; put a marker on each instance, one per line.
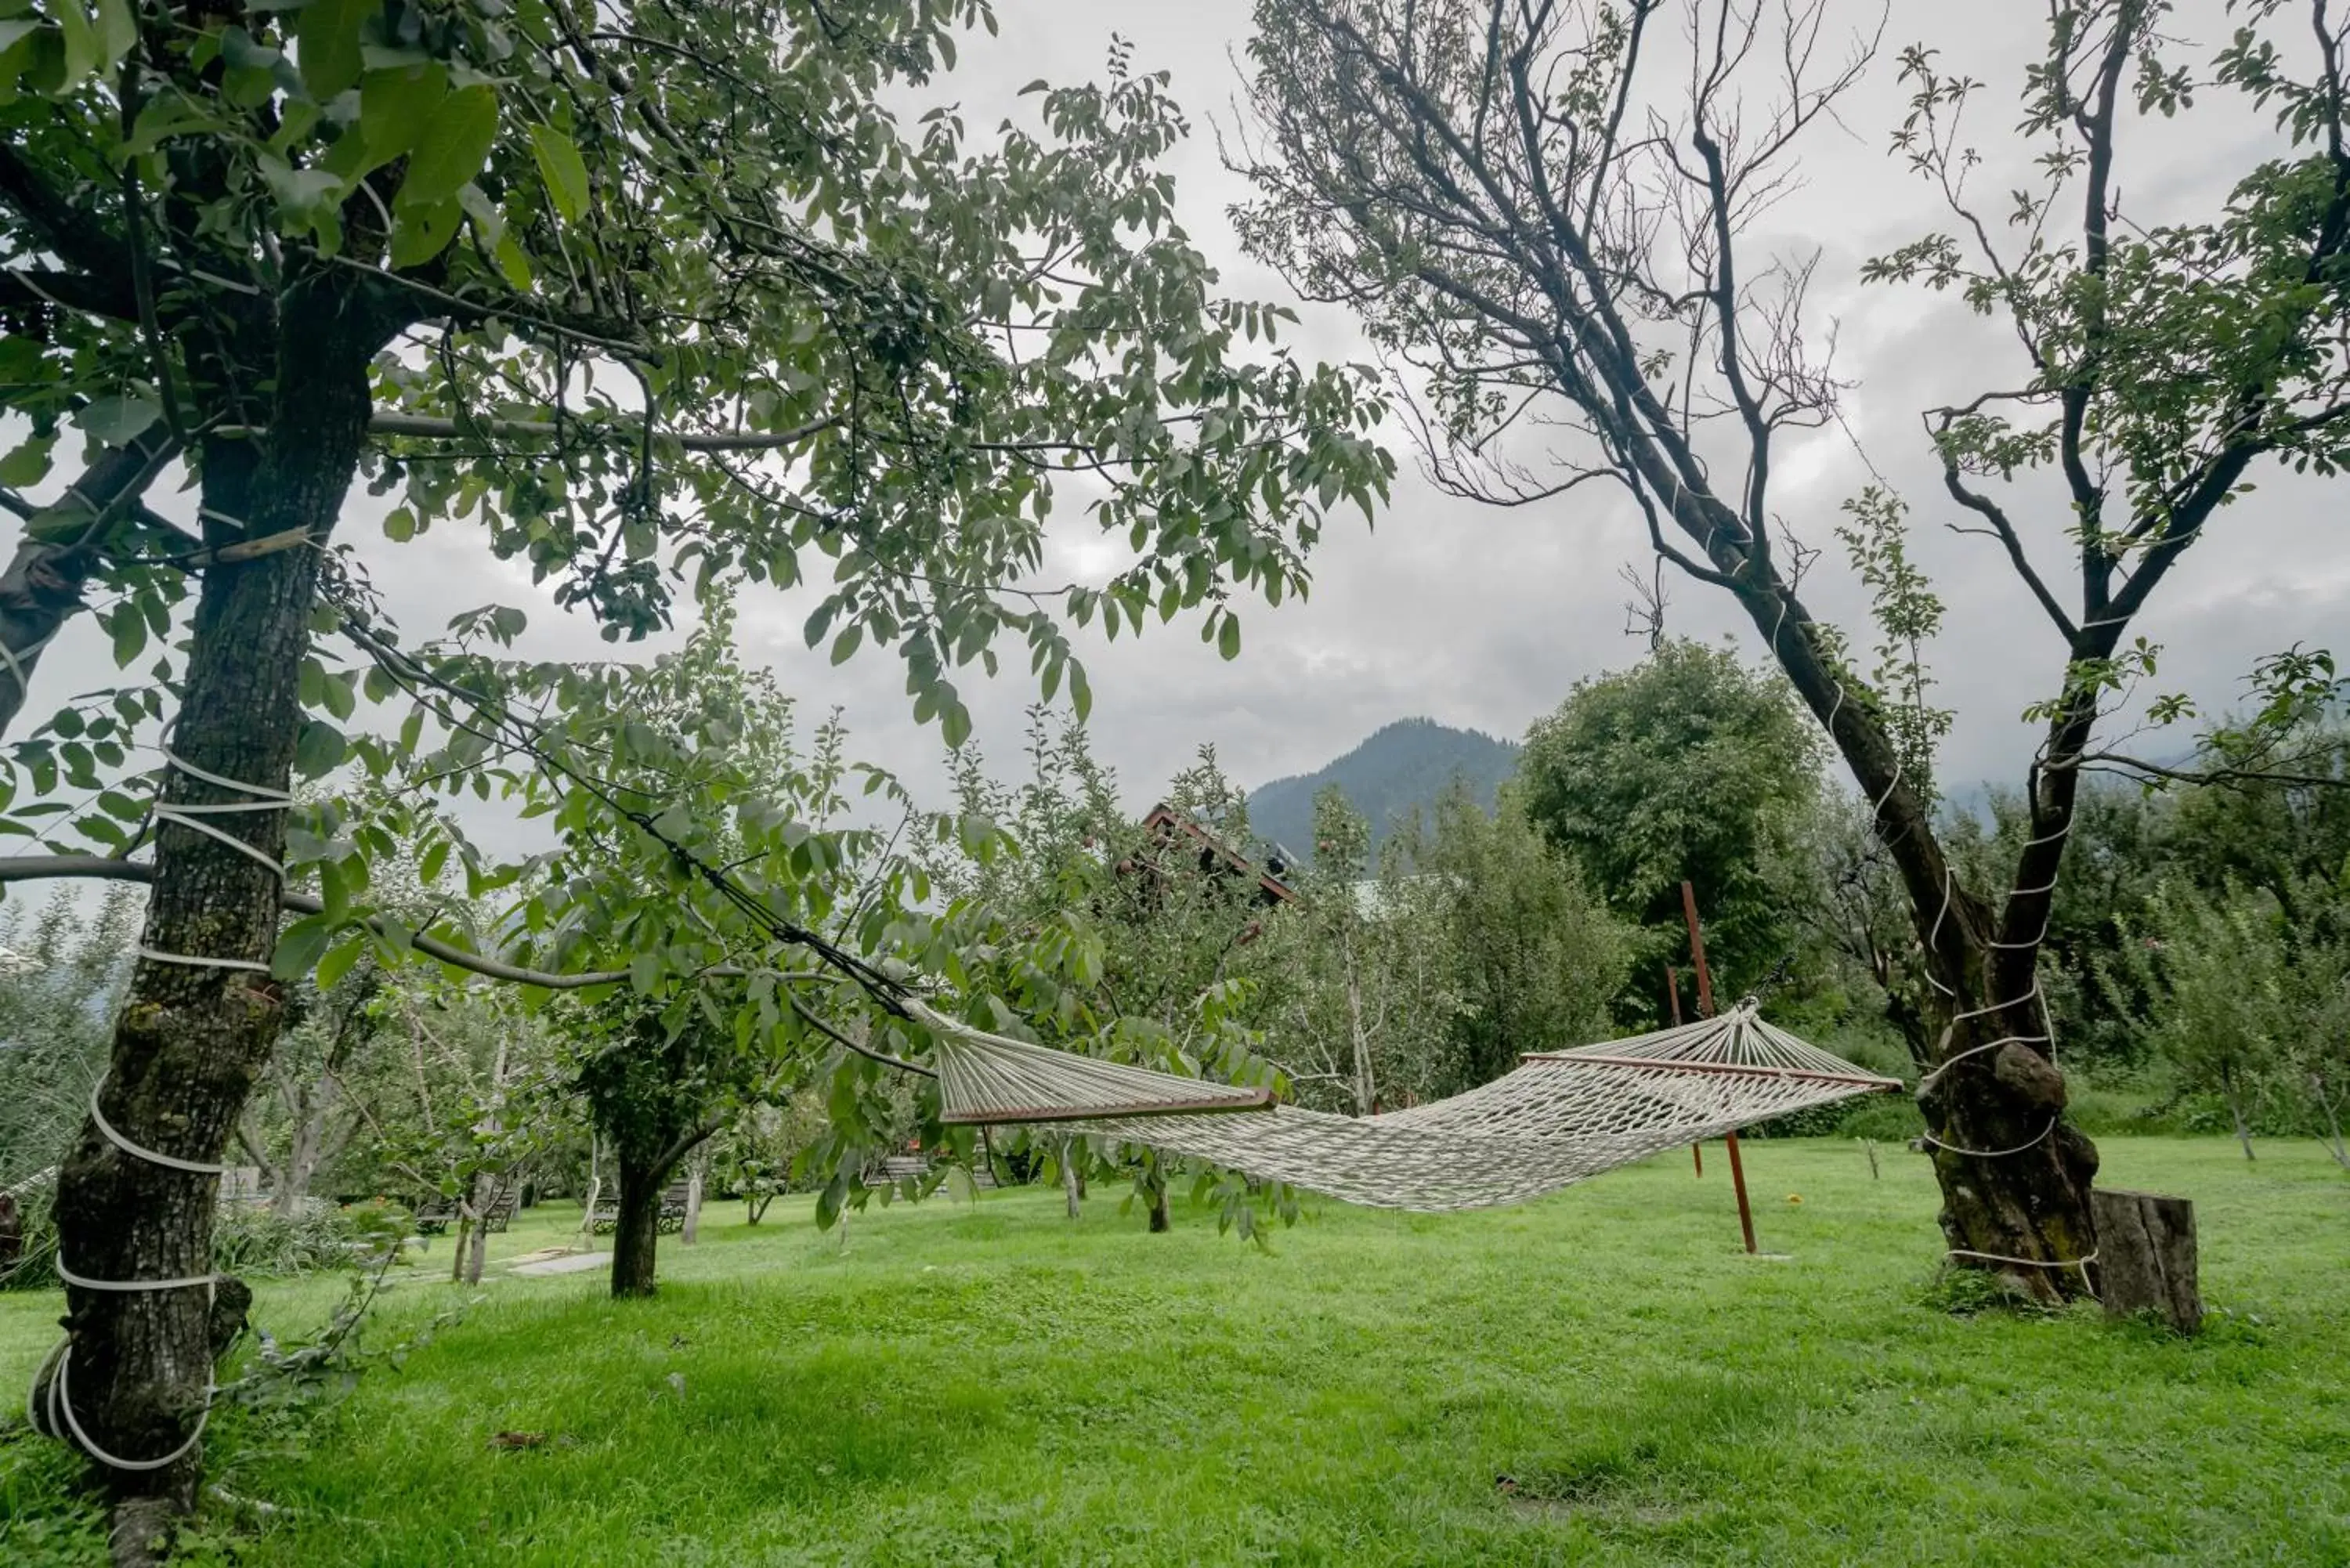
(1559, 1118)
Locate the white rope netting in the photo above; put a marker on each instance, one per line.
(1559, 1118)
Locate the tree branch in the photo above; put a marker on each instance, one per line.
(422, 425)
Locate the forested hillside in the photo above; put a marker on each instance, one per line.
(1405, 764)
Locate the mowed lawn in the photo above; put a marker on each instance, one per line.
(989, 1384)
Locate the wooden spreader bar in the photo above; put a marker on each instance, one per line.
(1251, 1100)
(1743, 1069)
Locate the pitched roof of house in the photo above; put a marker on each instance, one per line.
(1165, 819)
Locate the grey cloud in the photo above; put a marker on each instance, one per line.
(1485, 617)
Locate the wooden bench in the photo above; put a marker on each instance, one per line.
(670, 1217)
(436, 1216)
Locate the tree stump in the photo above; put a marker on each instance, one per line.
(2146, 1256)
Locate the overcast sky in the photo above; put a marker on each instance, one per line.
(1484, 617)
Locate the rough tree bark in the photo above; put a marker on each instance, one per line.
(637, 1235)
(189, 1039)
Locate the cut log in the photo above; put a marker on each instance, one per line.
(2146, 1256)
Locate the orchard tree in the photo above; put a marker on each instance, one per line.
(659, 1080)
(1540, 208)
(1373, 981)
(1120, 940)
(645, 294)
(1688, 767)
(1534, 957)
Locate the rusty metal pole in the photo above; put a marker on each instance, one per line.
(1705, 1010)
(1673, 995)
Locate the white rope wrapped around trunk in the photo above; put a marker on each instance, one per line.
(1559, 1118)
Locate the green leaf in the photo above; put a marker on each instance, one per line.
(829, 1202)
(514, 265)
(420, 233)
(118, 29)
(645, 973)
(844, 647)
(321, 750)
(166, 117)
(116, 420)
(337, 963)
(564, 171)
(428, 870)
(397, 105)
(80, 41)
(307, 198)
(130, 638)
(29, 463)
(340, 691)
(300, 949)
(451, 149)
(1228, 638)
(327, 40)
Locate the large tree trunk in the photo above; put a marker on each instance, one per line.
(191, 1039)
(313, 1104)
(638, 1232)
(1069, 1193)
(2014, 1175)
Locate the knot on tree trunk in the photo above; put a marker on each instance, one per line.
(2030, 1077)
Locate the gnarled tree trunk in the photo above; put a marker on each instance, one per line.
(191, 1038)
(2014, 1175)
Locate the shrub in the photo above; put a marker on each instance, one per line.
(252, 1240)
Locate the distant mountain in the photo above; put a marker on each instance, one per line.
(1406, 765)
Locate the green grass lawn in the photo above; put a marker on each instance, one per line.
(989, 1384)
